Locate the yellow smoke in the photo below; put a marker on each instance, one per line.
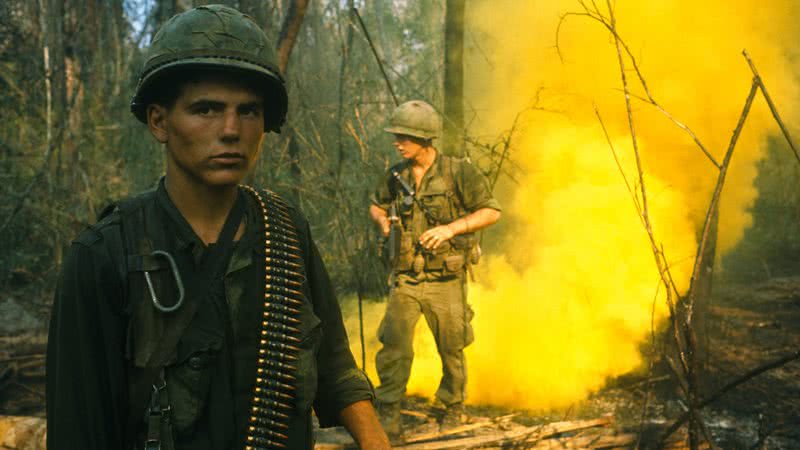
(568, 303)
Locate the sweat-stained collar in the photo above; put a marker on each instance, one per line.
(433, 171)
(187, 239)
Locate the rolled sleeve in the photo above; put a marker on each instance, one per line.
(382, 196)
(475, 190)
(351, 386)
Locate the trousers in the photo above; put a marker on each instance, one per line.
(443, 302)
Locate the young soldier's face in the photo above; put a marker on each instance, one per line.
(213, 132)
(408, 147)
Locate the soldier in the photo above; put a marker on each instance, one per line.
(192, 316)
(440, 202)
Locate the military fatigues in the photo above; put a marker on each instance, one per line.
(432, 283)
(94, 350)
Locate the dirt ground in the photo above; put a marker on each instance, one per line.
(748, 325)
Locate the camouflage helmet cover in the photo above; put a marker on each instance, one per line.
(218, 37)
(415, 118)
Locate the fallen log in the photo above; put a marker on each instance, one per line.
(599, 442)
(458, 430)
(408, 412)
(529, 434)
(22, 433)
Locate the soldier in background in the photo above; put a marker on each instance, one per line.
(440, 202)
(192, 316)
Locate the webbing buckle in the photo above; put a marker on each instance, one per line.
(156, 414)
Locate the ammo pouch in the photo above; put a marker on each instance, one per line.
(464, 242)
(454, 263)
(434, 259)
(452, 256)
(447, 258)
(474, 255)
(467, 244)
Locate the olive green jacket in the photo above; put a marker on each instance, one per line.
(92, 351)
(450, 189)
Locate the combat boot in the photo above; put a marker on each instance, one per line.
(389, 415)
(454, 416)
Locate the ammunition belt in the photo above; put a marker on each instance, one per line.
(274, 393)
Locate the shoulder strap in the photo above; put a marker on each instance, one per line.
(136, 242)
(139, 244)
(106, 211)
(394, 189)
(448, 170)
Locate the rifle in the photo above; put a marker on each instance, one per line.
(411, 197)
(390, 245)
(389, 250)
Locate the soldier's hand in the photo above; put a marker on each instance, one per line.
(434, 237)
(386, 227)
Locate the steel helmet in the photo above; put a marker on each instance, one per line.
(415, 118)
(218, 37)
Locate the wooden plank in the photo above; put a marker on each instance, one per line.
(23, 433)
(409, 412)
(551, 429)
(458, 430)
(616, 441)
(598, 442)
(449, 432)
(526, 434)
(319, 446)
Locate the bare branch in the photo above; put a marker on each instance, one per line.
(48, 156)
(645, 214)
(718, 191)
(607, 23)
(506, 148)
(772, 107)
(290, 28)
(724, 389)
(680, 125)
(558, 29)
(375, 54)
(619, 166)
(649, 379)
(686, 357)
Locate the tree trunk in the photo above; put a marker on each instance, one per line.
(703, 292)
(346, 45)
(290, 28)
(167, 8)
(53, 37)
(255, 9)
(454, 78)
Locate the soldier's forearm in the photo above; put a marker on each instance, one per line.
(378, 214)
(476, 221)
(381, 218)
(362, 423)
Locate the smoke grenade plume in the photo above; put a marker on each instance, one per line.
(573, 293)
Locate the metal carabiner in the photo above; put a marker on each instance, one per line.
(178, 281)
